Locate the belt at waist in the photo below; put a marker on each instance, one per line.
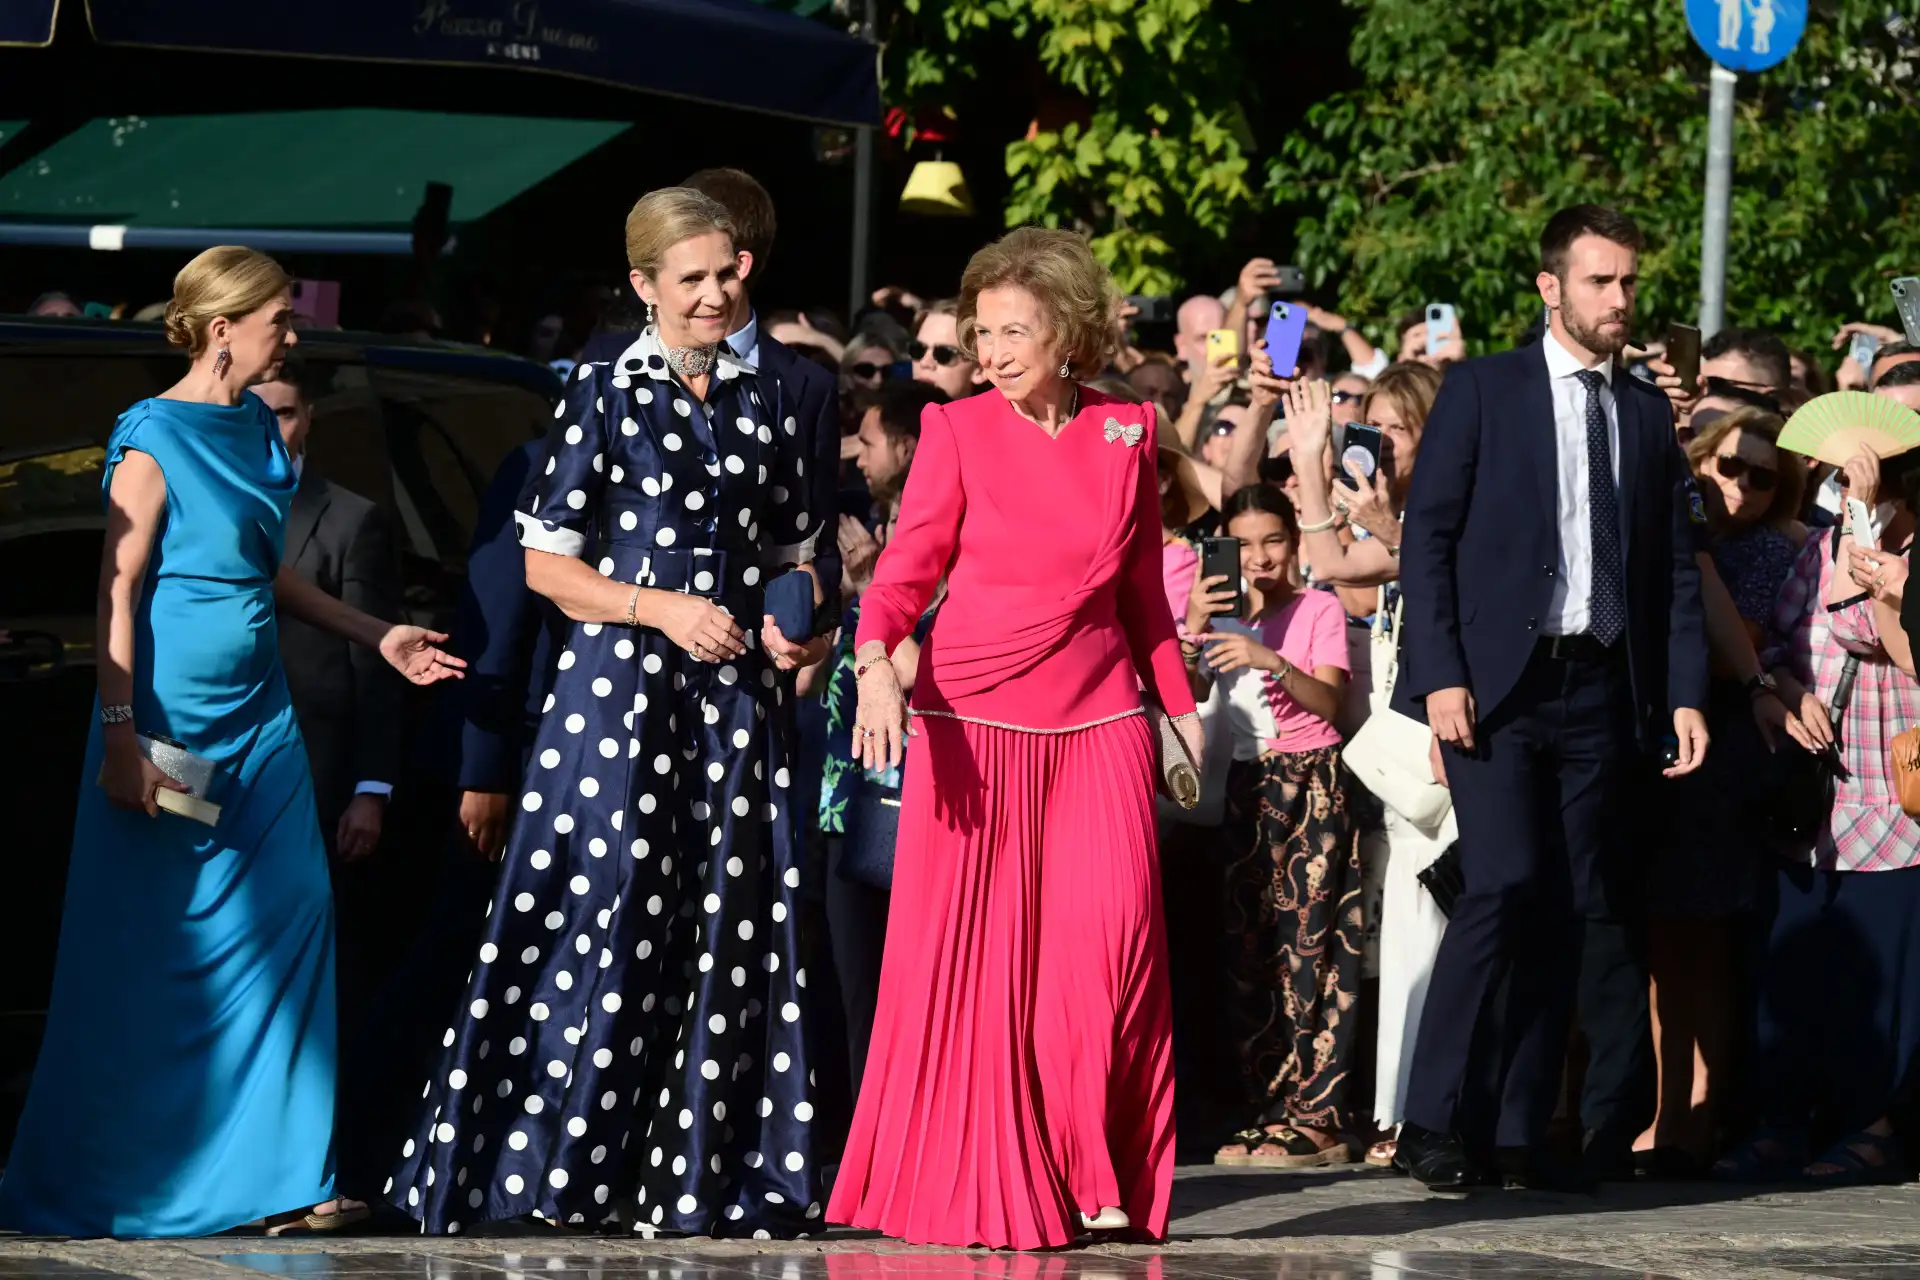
(1581, 648)
(701, 571)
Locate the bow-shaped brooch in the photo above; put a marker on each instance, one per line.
(1132, 433)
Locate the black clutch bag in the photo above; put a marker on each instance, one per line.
(872, 827)
(1442, 879)
(790, 601)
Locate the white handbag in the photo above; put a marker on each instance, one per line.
(1389, 753)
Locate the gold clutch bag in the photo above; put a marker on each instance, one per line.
(1179, 779)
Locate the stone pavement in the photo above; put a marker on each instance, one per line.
(1228, 1225)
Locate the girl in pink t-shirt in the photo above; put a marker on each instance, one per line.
(1293, 876)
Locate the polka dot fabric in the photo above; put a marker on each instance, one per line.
(630, 1049)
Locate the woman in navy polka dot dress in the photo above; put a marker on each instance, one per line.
(630, 1050)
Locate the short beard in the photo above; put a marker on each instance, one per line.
(1592, 339)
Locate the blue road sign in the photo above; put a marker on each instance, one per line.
(1747, 35)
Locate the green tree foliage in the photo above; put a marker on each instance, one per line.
(1160, 167)
(1478, 118)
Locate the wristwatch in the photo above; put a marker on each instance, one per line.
(1762, 683)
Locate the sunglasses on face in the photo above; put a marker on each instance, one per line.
(1347, 397)
(866, 370)
(943, 355)
(1732, 466)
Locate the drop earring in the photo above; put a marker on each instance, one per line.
(1064, 371)
(222, 362)
(649, 315)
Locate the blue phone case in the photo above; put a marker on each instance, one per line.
(1286, 325)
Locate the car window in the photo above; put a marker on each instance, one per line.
(446, 435)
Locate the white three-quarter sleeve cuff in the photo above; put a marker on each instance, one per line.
(562, 542)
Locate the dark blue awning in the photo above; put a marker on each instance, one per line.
(732, 53)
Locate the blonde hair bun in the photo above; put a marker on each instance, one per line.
(227, 280)
(662, 219)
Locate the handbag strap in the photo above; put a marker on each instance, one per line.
(1843, 693)
(1393, 660)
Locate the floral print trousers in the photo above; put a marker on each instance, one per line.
(1295, 931)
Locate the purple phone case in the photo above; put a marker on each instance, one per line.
(1286, 325)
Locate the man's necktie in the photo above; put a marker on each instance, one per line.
(1607, 607)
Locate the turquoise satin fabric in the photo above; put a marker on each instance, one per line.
(185, 1084)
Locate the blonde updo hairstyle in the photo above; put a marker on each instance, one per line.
(1061, 273)
(662, 219)
(226, 280)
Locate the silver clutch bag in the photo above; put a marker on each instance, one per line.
(1179, 779)
(195, 773)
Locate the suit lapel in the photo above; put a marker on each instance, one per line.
(1542, 433)
(310, 502)
(1628, 411)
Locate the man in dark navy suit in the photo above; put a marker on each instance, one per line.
(1553, 628)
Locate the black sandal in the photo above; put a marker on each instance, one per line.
(1854, 1169)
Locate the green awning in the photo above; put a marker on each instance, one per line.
(307, 169)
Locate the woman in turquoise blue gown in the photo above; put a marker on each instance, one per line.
(185, 1083)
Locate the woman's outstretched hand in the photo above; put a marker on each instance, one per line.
(416, 654)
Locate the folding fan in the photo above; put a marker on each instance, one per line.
(1832, 427)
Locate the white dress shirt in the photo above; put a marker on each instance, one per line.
(745, 342)
(1567, 615)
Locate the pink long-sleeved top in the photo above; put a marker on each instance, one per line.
(1055, 614)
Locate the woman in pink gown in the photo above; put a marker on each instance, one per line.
(1019, 1087)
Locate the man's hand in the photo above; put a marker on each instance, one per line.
(483, 816)
(1413, 347)
(359, 831)
(1690, 728)
(1851, 376)
(1451, 714)
(1668, 381)
(1256, 278)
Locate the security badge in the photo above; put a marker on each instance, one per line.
(1696, 505)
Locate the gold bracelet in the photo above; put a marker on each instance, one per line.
(633, 607)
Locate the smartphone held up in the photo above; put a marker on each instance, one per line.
(1363, 451)
(1286, 329)
(1220, 558)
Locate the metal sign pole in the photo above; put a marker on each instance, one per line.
(1713, 230)
(858, 290)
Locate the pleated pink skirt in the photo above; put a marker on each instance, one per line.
(1020, 1071)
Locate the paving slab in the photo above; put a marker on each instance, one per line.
(1228, 1224)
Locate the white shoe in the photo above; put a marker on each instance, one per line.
(1108, 1219)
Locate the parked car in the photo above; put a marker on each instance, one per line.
(418, 427)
